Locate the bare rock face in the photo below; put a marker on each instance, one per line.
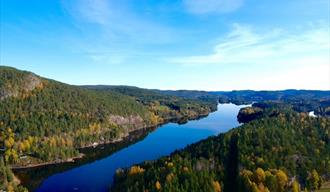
(131, 122)
(31, 82)
(25, 85)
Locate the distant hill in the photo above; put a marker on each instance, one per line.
(159, 101)
(256, 96)
(191, 94)
(300, 100)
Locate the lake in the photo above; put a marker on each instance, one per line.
(97, 175)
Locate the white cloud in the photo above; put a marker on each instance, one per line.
(312, 76)
(118, 21)
(276, 47)
(212, 6)
(113, 30)
(94, 11)
(276, 59)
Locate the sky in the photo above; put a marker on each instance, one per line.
(171, 44)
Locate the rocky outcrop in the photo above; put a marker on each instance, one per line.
(31, 82)
(131, 122)
(19, 88)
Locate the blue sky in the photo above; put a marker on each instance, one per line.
(171, 44)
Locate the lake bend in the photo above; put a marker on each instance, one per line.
(96, 174)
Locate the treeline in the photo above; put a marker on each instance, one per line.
(299, 100)
(43, 120)
(163, 104)
(249, 96)
(286, 152)
(274, 108)
(263, 109)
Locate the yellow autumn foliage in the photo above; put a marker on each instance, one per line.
(135, 170)
(216, 186)
(158, 185)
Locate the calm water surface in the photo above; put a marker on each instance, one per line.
(98, 175)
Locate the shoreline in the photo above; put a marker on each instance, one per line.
(72, 159)
(96, 144)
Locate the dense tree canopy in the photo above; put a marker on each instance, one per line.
(44, 120)
(286, 152)
(281, 148)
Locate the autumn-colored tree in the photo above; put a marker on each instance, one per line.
(314, 181)
(282, 180)
(216, 186)
(154, 119)
(259, 175)
(295, 186)
(8, 138)
(169, 177)
(271, 181)
(135, 170)
(158, 185)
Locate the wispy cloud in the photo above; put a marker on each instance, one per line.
(114, 31)
(94, 11)
(212, 6)
(117, 21)
(243, 45)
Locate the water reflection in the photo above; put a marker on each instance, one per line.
(95, 172)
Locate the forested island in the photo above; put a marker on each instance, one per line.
(278, 148)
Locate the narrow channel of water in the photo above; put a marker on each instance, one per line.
(98, 174)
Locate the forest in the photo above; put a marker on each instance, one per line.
(42, 120)
(299, 100)
(46, 121)
(288, 151)
(162, 103)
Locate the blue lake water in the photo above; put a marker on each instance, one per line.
(98, 175)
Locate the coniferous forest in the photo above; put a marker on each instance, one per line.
(288, 151)
(164, 95)
(280, 147)
(45, 121)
